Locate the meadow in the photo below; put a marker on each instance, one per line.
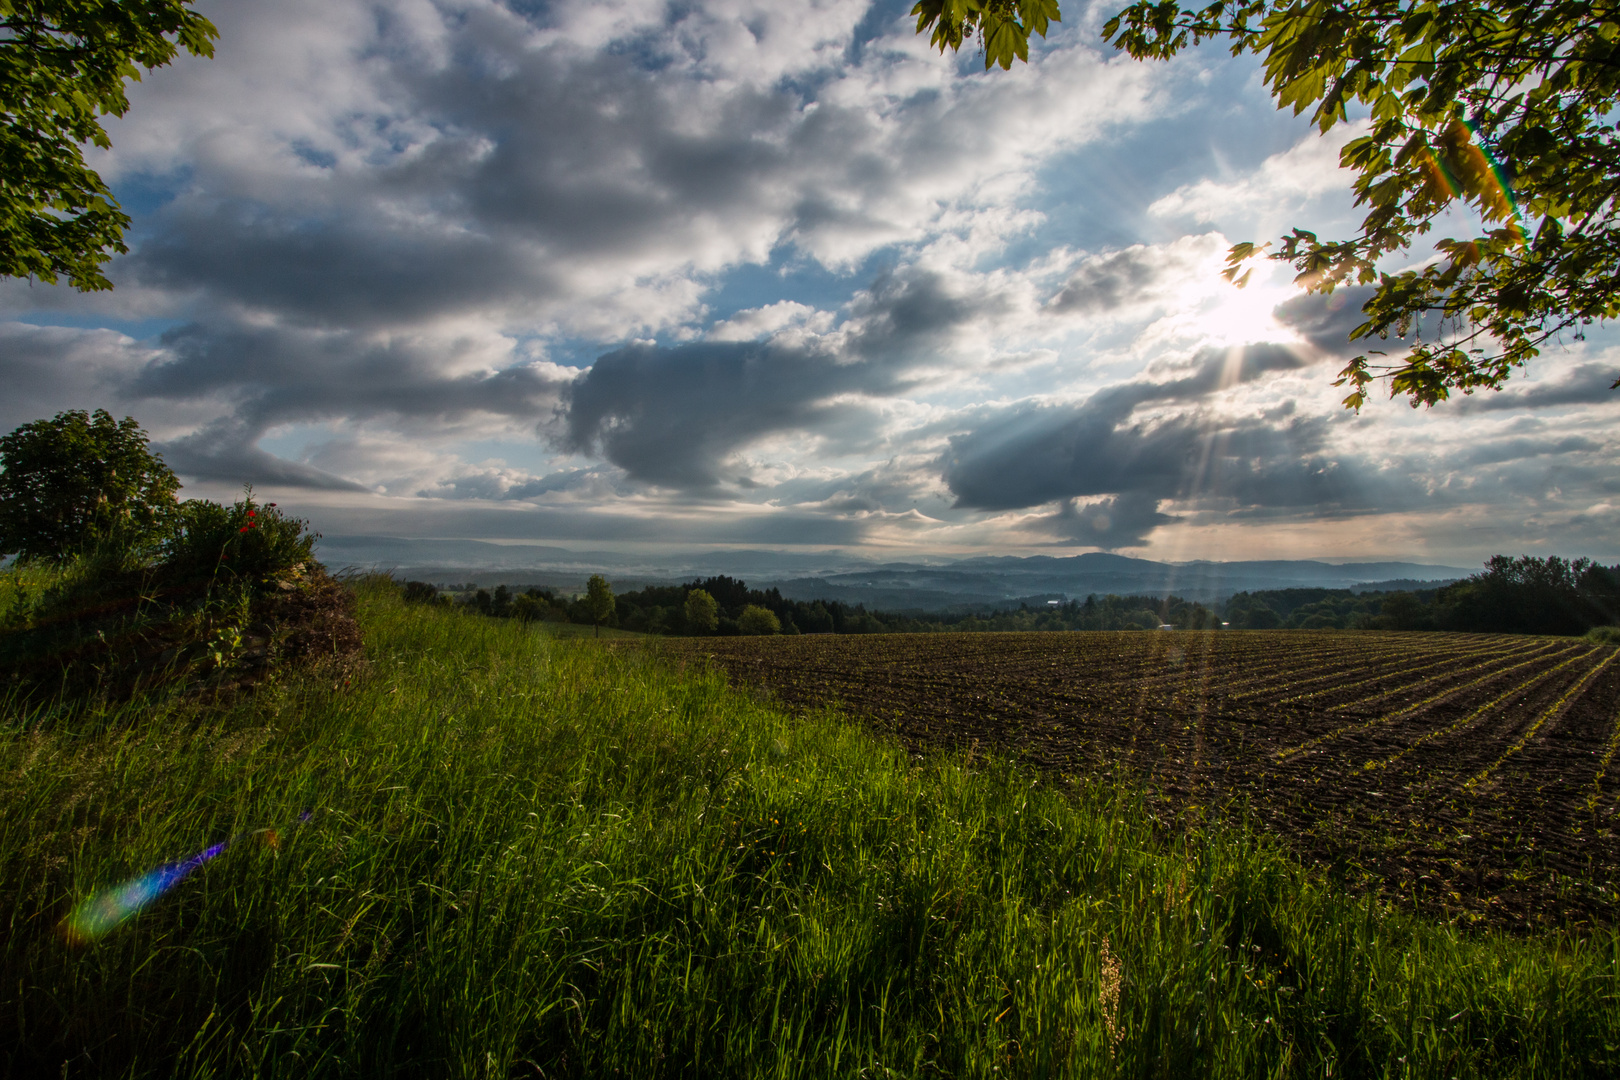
(482, 851)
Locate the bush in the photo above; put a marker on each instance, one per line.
(758, 620)
(1604, 635)
(528, 608)
(420, 592)
(244, 542)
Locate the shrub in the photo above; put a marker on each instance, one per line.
(527, 608)
(420, 592)
(244, 542)
(1604, 635)
(758, 620)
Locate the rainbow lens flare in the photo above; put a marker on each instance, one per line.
(107, 909)
(1460, 167)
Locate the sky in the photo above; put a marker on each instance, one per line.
(632, 275)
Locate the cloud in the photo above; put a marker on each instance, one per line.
(275, 376)
(48, 369)
(755, 323)
(1110, 281)
(225, 452)
(1282, 183)
(675, 416)
(1326, 319)
(1116, 522)
(1110, 464)
(1588, 383)
(612, 270)
(447, 160)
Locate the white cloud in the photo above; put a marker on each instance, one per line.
(1282, 184)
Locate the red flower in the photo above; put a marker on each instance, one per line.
(269, 504)
(244, 528)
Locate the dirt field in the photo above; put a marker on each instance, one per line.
(1470, 773)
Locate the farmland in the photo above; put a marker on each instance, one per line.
(1461, 773)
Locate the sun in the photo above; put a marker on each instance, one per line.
(1221, 314)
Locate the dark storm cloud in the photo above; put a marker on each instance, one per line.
(283, 376)
(1121, 521)
(1585, 384)
(225, 451)
(47, 369)
(348, 270)
(1034, 455)
(1326, 321)
(275, 376)
(671, 416)
(1518, 449)
(1110, 282)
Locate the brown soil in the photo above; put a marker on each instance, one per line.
(1470, 774)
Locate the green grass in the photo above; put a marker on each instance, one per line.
(532, 857)
(576, 630)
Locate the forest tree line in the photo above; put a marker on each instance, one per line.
(1524, 595)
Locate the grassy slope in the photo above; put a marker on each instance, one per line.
(532, 857)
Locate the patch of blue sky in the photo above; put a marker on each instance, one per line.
(880, 19)
(141, 195)
(788, 277)
(529, 455)
(312, 155)
(1097, 196)
(293, 442)
(576, 352)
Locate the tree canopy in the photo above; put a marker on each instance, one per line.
(599, 599)
(76, 481)
(64, 65)
(701, 613)
(1497, 107)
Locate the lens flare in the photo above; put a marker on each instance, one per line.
(1463, 168)
(107, 909)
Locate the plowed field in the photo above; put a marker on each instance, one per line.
(1466, 772)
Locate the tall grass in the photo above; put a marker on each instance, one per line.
(534, 857)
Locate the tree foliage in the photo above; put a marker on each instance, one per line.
(1001, 27)
(598, 600)
(1503, 108)
(756, 619)
(63, 66)
(78, 481)
(701, 612)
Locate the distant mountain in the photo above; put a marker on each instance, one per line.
(910, 585)
(991, 580)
